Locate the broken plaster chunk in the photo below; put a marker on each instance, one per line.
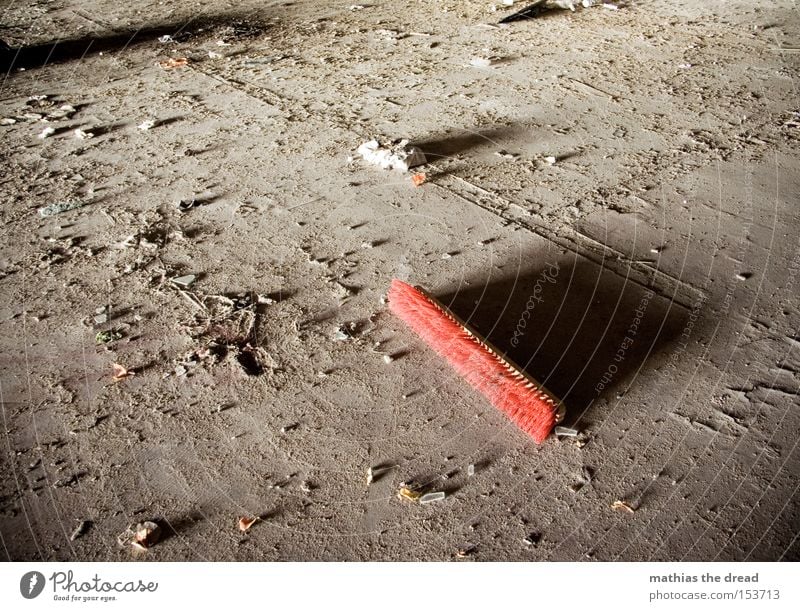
(397, 155)
(431, 497)
(184, 282)
(564, 431)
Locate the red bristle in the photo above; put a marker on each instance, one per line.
(527, 407)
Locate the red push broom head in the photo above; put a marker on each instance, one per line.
(526, 402)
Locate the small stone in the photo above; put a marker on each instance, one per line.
(470, 470)
(388, 358)
(47, 132)
(550, 160)
(145, 125)
(743, 276)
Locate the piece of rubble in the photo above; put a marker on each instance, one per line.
(622, 506)
(145, 125)
(564, 431)
(431, 497)
(174, 62)
(481, 62)
(47, 132)
(407, 493)
(245, 523)
(108, 336)
(120, 373)
(81, 529)
(146, 535)
(419, 179)
(59, 207)
(470, 470)
(83, 135)
(396, 155)
(184, 282)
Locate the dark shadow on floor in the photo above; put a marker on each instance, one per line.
(440, 146)
(581, 330)
(235, 27)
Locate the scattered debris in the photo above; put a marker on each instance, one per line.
(431, 497)
(245, 523)
(166, 38)
(105, 337)
(121, 373)
(59, 207)
(81, 529)
(7, 121)
(563, 431)
(507, 155)
(550, 160)
(145, 125)
(418, 179)
(82, 135)
(146, 535)
(622, 506)
(396, 155)
(470, 470)
(407, 493)
(184, 282)
(47, 132)
(174, 62)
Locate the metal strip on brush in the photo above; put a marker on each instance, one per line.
(558, 407)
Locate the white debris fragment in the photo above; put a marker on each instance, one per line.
(47, 132)
(481, 62)
(550, 160)
(431, 497)
(370, 476)
(564, 4)
(214, 55)
(388, 358)
(398, 155)
(82, 135)
(184, 282)
(470, 470)
(166, 38)
(144, 126)
(563, 431)
(8, 121)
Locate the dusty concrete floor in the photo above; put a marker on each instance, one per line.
(671, 329)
